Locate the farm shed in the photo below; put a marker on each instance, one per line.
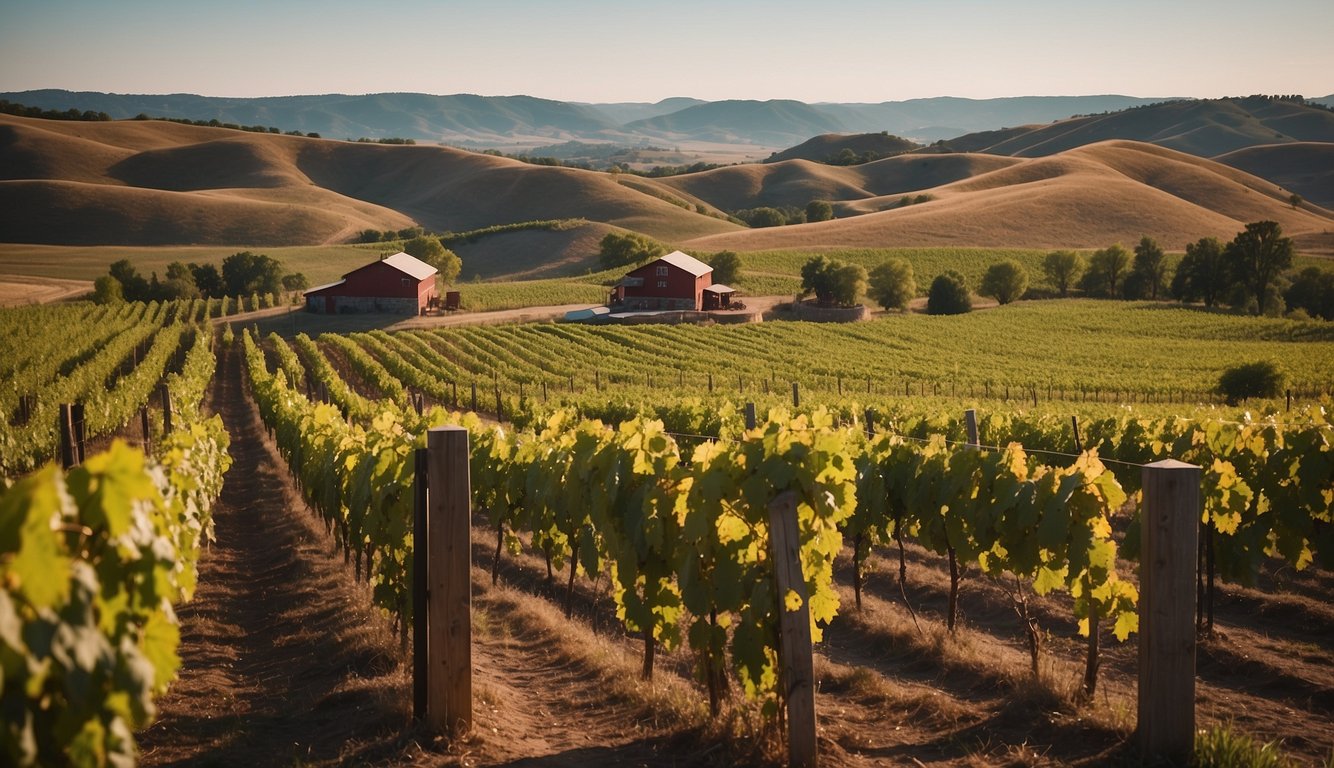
(675, 281)
(398, 284)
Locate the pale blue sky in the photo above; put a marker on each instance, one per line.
(598, 50)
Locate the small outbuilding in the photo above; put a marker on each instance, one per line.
(675, 281)
(399, 284)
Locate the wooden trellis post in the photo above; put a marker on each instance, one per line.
(797, 676)
(1171, 521)
(448, 581)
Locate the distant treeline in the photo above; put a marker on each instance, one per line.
(656, 172)
(87, 115)
(450, 238)
(1292, 98)
(14, 108)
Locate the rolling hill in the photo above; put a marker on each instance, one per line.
(509, 121)
(826, 147)
(142, 183)
(1306, 168)
(1087, 197)
(1201, 127)
(157, 183)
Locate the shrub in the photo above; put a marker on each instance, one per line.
(948, 295)
(1262, 379)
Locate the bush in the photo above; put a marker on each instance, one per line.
(834, 282)
(1262, 379)
(819, 210)
(948, 295)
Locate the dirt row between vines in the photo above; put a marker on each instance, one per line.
(285, 661)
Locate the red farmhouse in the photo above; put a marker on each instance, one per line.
(675, 281)
(398, 284)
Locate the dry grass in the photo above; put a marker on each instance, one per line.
(157, 183)
(1089, 197)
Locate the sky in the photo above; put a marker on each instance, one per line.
(640, 50)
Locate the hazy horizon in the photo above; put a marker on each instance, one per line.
(597, 51)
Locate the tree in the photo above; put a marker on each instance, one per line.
(1005, 281)
(819, 210)
(107, 290)
(1312, 291)
(948, 295)
(424, 247)
(1106, 269)
(726, 267)
(428, 249)
(764, 216)
(1295, 200)
(1062, 270)
(207, 279)
(848, 284)
(1262, 379)
(892, 284)
(1148, 271)
(295, 281)
(133, 285)
(1202, 274)
(621, 250)
(1257, 255)
(833, 282)
(246, 273)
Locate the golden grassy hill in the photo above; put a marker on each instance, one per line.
(1088, 197)
(1305, 167)
(797, 182)
(534, 253)
(1201, 127)
(151, 182)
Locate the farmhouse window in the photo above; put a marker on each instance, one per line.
(662, 272)
(662, 283)
(405, 281)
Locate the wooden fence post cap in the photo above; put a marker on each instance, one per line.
(447, 428)
(1171, 464)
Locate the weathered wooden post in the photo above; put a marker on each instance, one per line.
(80, 431)
(474, 396)
(970, 424)
(144, 425)
(840, 386)
(710, 382)
(1170, 520)
(597, 379)
(544, 390)
(1079, 445)
(68, 447)
(750, 416)
(870, 422)
(796, 395)
(420, 579)
(796, 677)
(449, 585)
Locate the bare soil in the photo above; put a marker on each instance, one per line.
(287, 662)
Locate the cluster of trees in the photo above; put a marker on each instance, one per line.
(388, 235)
(833, 282)
(242, 274)
(14, 108)
(1249, 273)
(778, 216)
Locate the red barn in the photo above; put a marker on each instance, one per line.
(675, 281)
(398, 284)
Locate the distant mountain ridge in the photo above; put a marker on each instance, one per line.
(479, 121)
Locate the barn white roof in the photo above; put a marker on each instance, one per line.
(687, 262)
(410, 265)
